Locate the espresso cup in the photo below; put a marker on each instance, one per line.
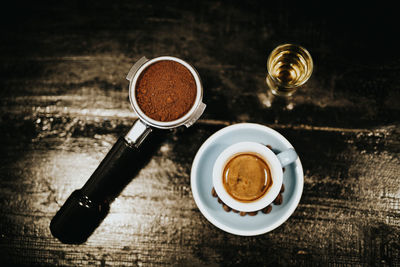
(251, 159)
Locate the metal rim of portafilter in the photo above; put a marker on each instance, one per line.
(85, 208)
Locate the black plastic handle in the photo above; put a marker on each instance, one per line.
(113, 173)
(85, 208)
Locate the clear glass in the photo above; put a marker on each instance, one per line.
(289, 66)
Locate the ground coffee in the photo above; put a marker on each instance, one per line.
(165, 91)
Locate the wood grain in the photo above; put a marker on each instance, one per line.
(64, 102)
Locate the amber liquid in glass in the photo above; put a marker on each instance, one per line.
(289, 66)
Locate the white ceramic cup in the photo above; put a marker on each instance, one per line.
(274, 162)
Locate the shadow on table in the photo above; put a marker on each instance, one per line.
(80, 215)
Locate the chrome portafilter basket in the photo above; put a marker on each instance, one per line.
(142, 126)
(85, 208)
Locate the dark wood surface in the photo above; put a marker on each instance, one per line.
(64, 102)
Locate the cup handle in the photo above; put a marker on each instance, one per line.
(286, 157)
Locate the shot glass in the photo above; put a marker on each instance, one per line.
(289, 66)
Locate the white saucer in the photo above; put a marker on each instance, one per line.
(201, 181)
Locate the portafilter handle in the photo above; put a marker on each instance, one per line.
(86, 208)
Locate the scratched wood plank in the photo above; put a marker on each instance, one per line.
(155, 220)
(64, 101)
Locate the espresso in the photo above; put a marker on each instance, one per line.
(247, 177)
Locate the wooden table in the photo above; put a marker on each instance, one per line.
(64, 102)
